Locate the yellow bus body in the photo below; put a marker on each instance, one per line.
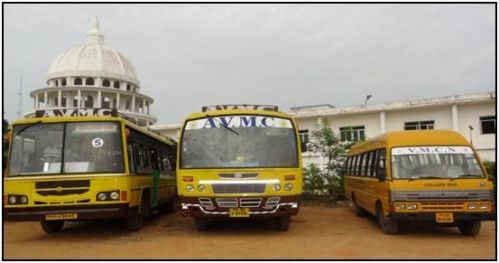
(74, 196)
(192, 201)
(428, 199)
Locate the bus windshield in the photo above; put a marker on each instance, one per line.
(424, 162)
(242, 141)
(62, 148)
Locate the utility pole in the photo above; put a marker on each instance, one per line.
(20, 103)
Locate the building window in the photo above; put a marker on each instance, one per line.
(106, 83)
(89, 82)
(488, 124)
(105, 103)
(419, 125)
(63, 82)
(116, 85)
(352, 133)
(78, 81)
(89, 102)
(303, 136)
(128, 88)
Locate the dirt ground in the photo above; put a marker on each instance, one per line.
(317, 232)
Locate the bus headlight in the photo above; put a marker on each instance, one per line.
(472, 206)
(24, 199)
(102, 196)
(276, 187)
(288, 187)
(412, 206)
(400, 206)
(201, 187)
(114, 195)
(12, 199)
(484, 206)
(189, 188)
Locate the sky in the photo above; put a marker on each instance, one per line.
(190, 55)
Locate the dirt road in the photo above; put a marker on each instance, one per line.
(316, 233)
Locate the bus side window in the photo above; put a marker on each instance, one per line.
(131, 161)
(137, 156)
(357, 164)
(381, 169)
(147, 157)
(374, 160)
(154, 158)
(158, 160)
(368, 163)
(166, 162)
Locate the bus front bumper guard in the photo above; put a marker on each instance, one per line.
(293, 205)
(86, 212)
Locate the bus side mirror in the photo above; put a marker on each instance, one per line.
(381, 170)
(303, 147)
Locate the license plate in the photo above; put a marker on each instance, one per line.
(61, 216)
(444, 217)
(239, 212)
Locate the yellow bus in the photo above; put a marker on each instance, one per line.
(69, 165)
(429, 176)
(239, 161)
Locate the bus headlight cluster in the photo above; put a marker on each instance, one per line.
(201, 187)
(409, 206)
(481, 206)
(17, 199)
(288, 187)
(189, 188)
(108, 196)
(276, 187)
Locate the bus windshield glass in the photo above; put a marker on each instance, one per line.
(242, 141)
(434, 162)
(63, 148)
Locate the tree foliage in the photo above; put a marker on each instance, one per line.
(326, 183)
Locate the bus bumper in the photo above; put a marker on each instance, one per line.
(262, 207)
(86, 212)
(458, 216)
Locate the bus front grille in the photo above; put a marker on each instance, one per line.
(238, 188)
(448, 195)
(442, 206)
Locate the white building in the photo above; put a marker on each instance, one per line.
(457, 113)
(94, 76)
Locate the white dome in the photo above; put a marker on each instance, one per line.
(94, 60)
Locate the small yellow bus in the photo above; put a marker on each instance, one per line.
(71, 165)
(429, 176)
(239, 161)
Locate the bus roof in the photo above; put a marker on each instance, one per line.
(144, 130)
(410, 138)
(199, 115)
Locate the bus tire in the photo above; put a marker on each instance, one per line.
(359, 211)
(135, 220)
(172, 205)
(201, 223)
(282, 223)
(387, 224)
(51, 227)
(470, 228)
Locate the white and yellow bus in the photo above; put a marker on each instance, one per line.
(63, 166)
(428, 176)
(239, 161)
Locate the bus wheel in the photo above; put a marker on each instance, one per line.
(471, 228)
(282, 223)
(51, 227)
(201, 223)
(388, 225)
(172, 206)
(134, 220)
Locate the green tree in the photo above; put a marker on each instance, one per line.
(326, 183)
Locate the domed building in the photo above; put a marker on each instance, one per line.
(94, 76)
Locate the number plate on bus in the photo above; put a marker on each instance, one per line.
(444, 217)
(239, 212)
(61, 216)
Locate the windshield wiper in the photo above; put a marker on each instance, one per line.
(221, 124)
(27, 126)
